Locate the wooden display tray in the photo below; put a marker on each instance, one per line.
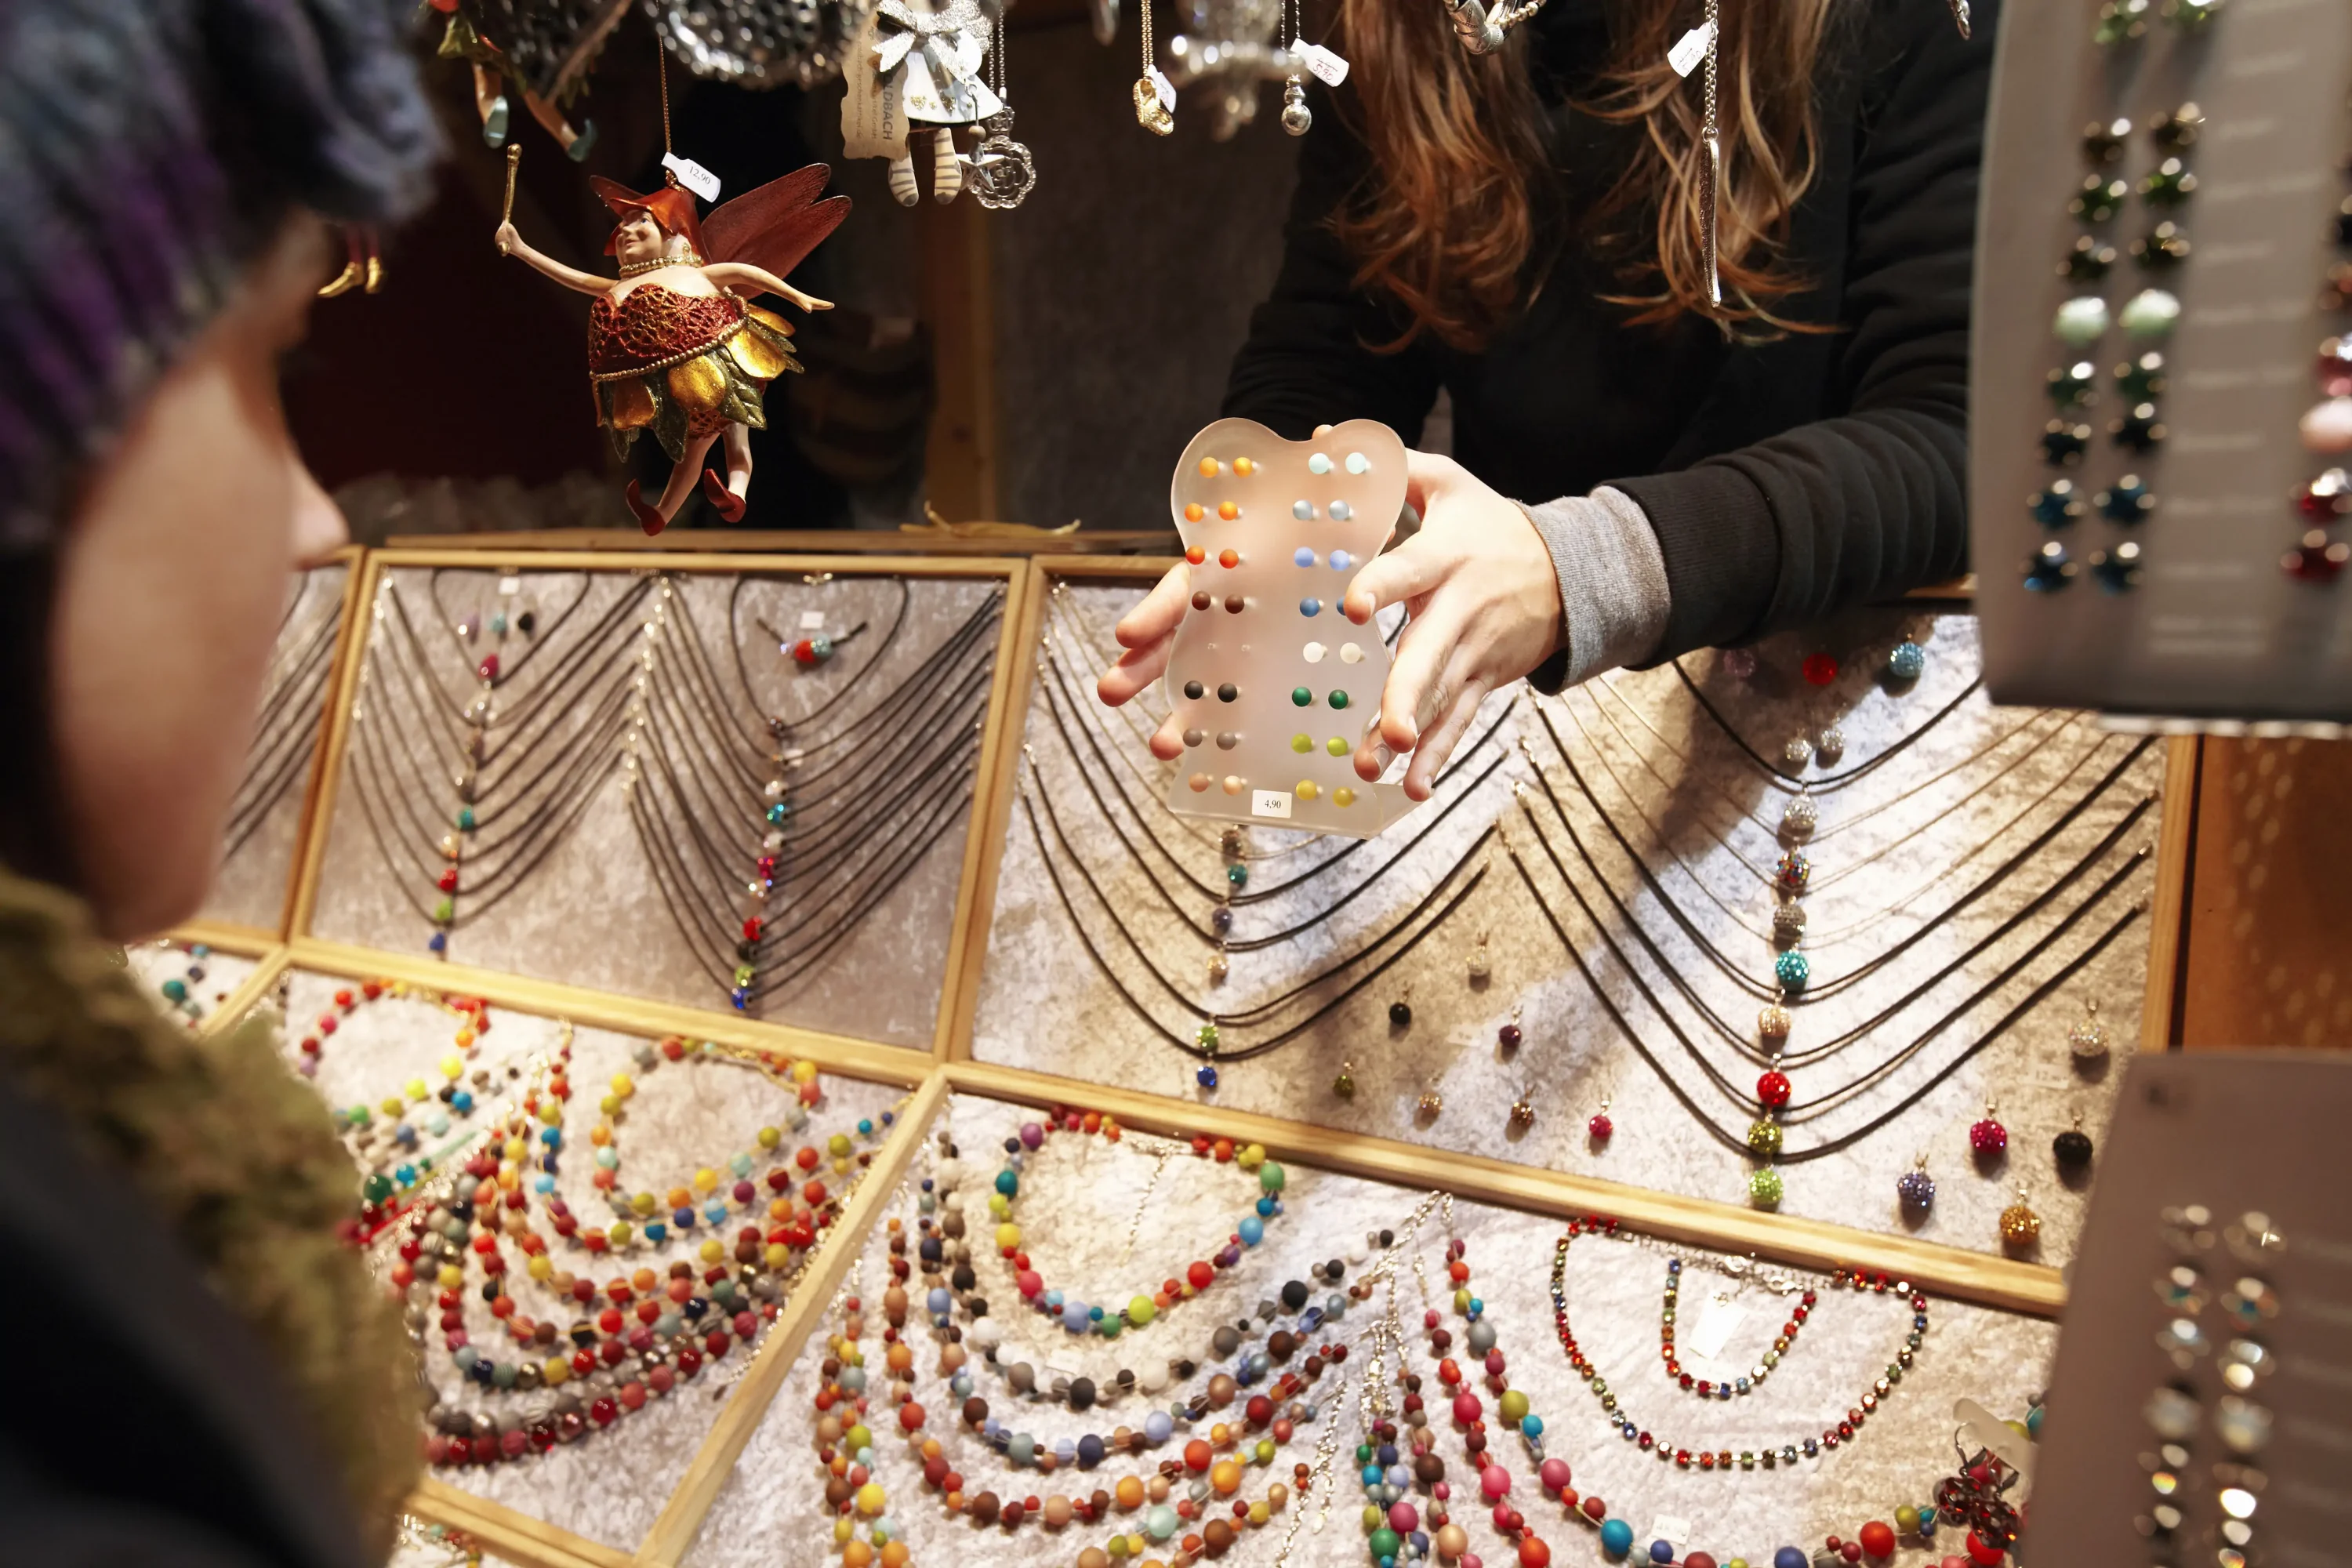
(807, 541)
(2033, 1290)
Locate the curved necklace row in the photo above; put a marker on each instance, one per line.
(1787, 1453)
(648, 1329)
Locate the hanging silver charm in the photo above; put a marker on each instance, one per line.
(1477, 31)
(1711, 170)
(1001, 171)
(1960, 18)
(1296, 118)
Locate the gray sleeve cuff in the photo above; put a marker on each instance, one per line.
(1613, 585)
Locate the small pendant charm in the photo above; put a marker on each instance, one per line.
(1509, 1036)
(1523, 1113)
(1206, 1078)
(1765, 1188)
(1831, 745)
(1739, 663)
(1772, 1023)
(1401, 1011)
(1907, 661)
(1150, 112)
(1797, 752)
(1218, 969)
(1793, 970)
(1344, 1085)
(1296, 118)
(1799, 818)
(2073, 1147)
(1002, 172)
(1788, 923)
(1772, 1089)
(2088, 1038)
(1480, 968)
(1916, 1189)
(2021, 1227)
(1205, 1037)
(1820, 669)
(1432, 1102)
(1764, 1138)
(1989, 1138)
(1794, 872)
(1600, 1128)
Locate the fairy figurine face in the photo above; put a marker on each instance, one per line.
(638, 238)
(659, 226)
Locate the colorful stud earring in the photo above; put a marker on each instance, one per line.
(2088, 1038)
(1907, 661)
(1344, 1085)
(1831, 744)
(1218, 967)
(1509, 1036)
(2105, 144)
(1916, 1189)
(2087, 262)
(2021, 1227)
(1989, 1138)
(2057, 506)
(2101, 198)
(1600, 1128)
(1432, 1100)
(1523, 1113)
(2073, 1147)
(2117, 570)
(1797, 752)
(1206, 1078)
(2049, 569)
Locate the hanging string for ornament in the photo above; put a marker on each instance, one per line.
(1296, 118)
(1711, 168)
(1151, 112)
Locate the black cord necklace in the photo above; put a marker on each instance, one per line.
(286, 731)
(1780, 778)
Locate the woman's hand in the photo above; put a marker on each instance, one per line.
(1484, 606)
(1483, 603)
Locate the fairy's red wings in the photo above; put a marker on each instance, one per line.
(777, 225)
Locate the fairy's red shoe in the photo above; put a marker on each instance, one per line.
(726, 503)
(651, 521)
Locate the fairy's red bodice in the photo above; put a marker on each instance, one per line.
(655, 325)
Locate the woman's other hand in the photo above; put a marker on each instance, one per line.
(1483, 603)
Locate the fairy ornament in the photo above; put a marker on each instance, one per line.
(675, 345)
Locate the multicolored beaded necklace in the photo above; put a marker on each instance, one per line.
(1077, 1316)
(181, 990)
(651, 1329)
(1770, 1457)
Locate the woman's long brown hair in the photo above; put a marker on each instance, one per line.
(1449, 226)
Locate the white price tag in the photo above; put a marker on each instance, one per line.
(1161, 87)
(1270, 803)
(1690, 48)
(1719, 1317)
(811, 620)
(1325, 66)
(692, 175)
(1666, 1526)
(510, 586)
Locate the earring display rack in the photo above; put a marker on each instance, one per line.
(694, 1508)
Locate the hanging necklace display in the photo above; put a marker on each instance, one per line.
(675, 345)
(762, 43)
(797, 782)
(523, 772)
(1154, 94)
(286, 731)
(1002, 172)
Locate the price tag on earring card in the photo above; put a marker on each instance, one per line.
(1691, 48)
(692, 175)
(1270, 803)
(811, 620)
(1718, 1319)
(1164, 90)
(1325, 66)
(1667, 1528)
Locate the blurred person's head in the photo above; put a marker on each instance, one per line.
(167, 166)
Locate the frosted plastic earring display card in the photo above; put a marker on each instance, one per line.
(1273, 685)
(2160, 396)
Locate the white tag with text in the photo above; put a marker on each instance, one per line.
(1270, 803)
(692, 175)
(1718, 1319)
(1666, 1526)
(1163, 88)
(811, 620)
(1691, 48)
(1325, 66)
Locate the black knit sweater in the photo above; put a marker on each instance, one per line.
(1784, 479)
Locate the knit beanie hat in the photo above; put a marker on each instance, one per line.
(150, 151)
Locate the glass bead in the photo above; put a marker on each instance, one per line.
(2049, 569)
(2150, 313)
(2082, 320)
(2064, 443)
(1341, 511)
(1303, 510)
(1907, 661)
(2019, 1225)
(2168, 184)
(2057, 506)
(1797, 752)
(2126, 502)
(1916, 1189)
(1764, 1137)
(2118, 570)
(1829, 744)
(2316, 560)
(1792, 970)
(1766, 1189)
(2140, 430)
(2072, 386)
(2143, 378)
(2100, 199)
(2087, 261)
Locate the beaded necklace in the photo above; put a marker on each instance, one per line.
(650, 1330)
(1769, 1457)
(1076, 1316)
(181, 989)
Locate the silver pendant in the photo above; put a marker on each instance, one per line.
(1799, 818)
(1296, 118)
(1831, 745)
(1000, 172)
(1797, 751)
(1788, 923)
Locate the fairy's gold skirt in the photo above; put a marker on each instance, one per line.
(701, 393)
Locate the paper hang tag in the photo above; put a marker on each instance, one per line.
(692, 175)
(1270, 803)
(1718, 1319)
(872, 119)
(1162, 87)
(1668, 1528)
(1691, 48)
(811, 620)
(1325, 67)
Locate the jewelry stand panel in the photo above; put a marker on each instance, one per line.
(689, 1124)
(253, 884)
(188, 980)
(1105, 1220)
(642, 819)
(1965, 902)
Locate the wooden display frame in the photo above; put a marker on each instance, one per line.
(828, 1049)
(234, 937)
(807, 540)
(2031, 1289)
